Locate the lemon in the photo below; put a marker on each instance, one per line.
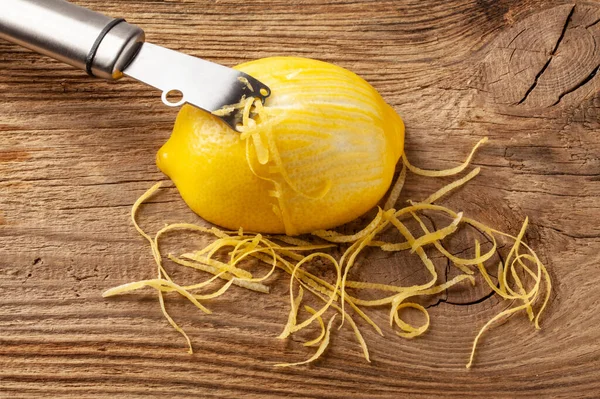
(322, 153)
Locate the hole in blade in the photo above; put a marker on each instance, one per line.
(173, 98)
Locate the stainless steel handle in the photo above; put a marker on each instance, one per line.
(75, 35)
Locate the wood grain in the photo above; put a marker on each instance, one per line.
(76, 153)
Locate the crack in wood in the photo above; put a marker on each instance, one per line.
(515, 38)
(84, 207)
(477, 301)
(593, 23)
(579, 85)
(557, 45)
(569, 235)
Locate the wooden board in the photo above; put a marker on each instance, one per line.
(76, 153)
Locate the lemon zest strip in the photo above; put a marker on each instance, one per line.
(396, 190)
(320, 350)
(446, 172)
(321, 323)
(452, 186)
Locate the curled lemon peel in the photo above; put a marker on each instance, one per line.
(452, 186)
(158, 260)
(246, 82)
(315, 341)
(295, 305)
(410, 331)
(440, 234)
(225, 276)
(334, 236)
(521, 277)
(320, 350)
(447, 172)
(291, 328)
(392, 198)
(359, 338)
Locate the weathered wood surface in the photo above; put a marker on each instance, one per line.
(76, 153)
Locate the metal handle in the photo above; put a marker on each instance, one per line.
(75, 35)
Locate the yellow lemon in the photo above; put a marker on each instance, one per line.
(321, 153)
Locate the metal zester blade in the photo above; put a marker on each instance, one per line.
(203, 84)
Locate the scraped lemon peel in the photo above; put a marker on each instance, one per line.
(522, 278)
(269, 151)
